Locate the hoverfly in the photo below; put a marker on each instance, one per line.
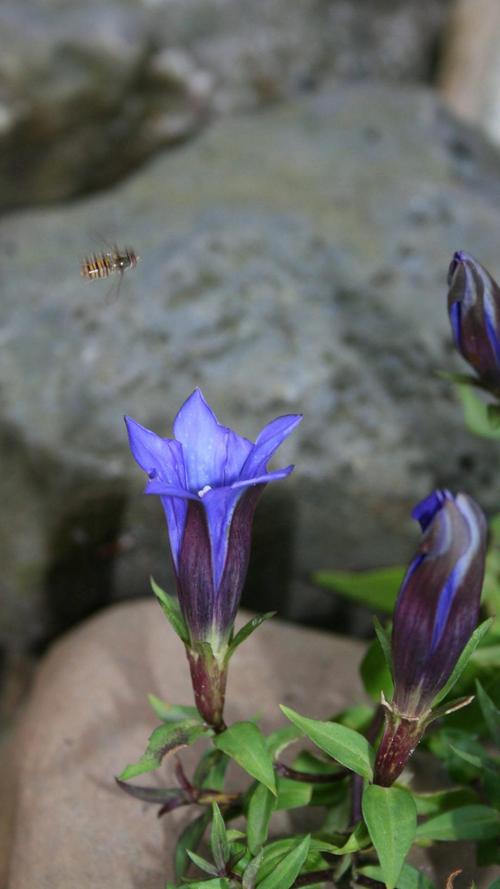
(102, 265)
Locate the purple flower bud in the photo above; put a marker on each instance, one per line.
(474, 310)
(209, 480)
(438, 604)
(436, 613)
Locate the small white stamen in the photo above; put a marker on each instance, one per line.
(204, 490)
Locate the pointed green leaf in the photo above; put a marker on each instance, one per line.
(409, 878)
(287, 870)
(343, 744)
(158, 795)
(463, 660)
(277, 741)
(203, 864)
(165, 739)
(375, 674)
(495, 884)
(219, 844)
(377, 589)
(190, 838)
(245, 743)
(261, 806)
(385, 642)
(490, 712)
(476, 413)
(467, 823)
(252, 869)
(172, 712)
(292, 794)
(247, 631)
(211, 770)
(443, 800)
(391, 818)
(172, 611)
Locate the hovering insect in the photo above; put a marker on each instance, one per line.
(102, 265)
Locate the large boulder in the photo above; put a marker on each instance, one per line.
(293, 261)
(88, 716)
(88, 91)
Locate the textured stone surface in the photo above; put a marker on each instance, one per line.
(90, 90)
(88, 716)
(290, 261)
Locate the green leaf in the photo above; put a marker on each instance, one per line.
(245, 743)
(409, 878)
(476, 413)
(172, 611)
(467, 823)
(165, 739)
(247, 631)
(277, 741)
(385, 643)
(203, 864)
(211, 770)
(190, 838)
(391, 818)
(375, 673)
(358, 840)
(443, 800)
(219, 844)
(377, 589)
(172, 712)
(490, 712)
(252, 869)
(287, 870)
(343, 744)
(218, 883)
(292, 794)
(463, 660)
(495, 884)
(261, 806)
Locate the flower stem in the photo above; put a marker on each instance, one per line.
(209, 687)
(401, 736)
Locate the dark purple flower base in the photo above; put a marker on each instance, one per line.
(401, 736)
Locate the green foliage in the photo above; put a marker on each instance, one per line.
(490, 712)
(172, 611)
(165, 739)
(189, 839)
(172, 712)
(479, 418)
(245, 743)
(391, 818)
(409, 878)
(375, 673)
(376, 589)
(343, 744)
(288, 868)
(261, 806)
(247, 630)
(467, 823)
(463, 660)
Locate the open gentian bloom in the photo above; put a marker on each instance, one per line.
(209, 480)
(474, 310)
(436, 613)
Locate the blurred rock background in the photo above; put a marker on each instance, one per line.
(295, 183)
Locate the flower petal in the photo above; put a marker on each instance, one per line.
(204, 442)
(159, 457)
(267, 443)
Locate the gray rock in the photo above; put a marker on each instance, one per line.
(293, 261)
(88, 91)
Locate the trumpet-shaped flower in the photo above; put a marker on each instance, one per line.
(209, 480)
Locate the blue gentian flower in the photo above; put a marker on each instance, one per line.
(438, 604)
(474, 310)
(436, 613)
(209, 480)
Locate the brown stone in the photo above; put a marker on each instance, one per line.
(88, 716)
